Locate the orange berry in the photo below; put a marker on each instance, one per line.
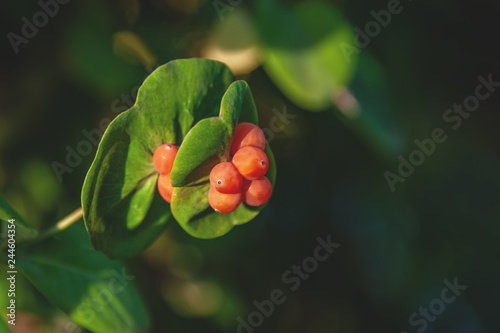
(222, 202)
(165, 187)
(225, 178)
(257, 192)
(251, 162)
(164, 156)
(247, 134)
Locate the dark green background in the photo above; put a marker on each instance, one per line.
(396, 247)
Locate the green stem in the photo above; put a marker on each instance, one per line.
(59, 226)
(62, 224)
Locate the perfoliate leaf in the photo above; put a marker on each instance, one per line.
(189, 103)
(123, 210)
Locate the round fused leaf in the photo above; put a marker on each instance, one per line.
(123, 210)
(190, 103)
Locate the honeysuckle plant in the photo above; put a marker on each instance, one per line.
(192, 103)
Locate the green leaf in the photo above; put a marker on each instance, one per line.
(24, 231)
(204, 146)
(311, 56)
(237, 105)
(191, 208)
(373, 116)
(123, 210)
(28, 299)
(96, 292)
(304, 51)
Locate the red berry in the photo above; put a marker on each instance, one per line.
(247, 134)
(165, 187)
(257, 192)
(164, 156)
(251, 162)
(222, 202)
(225, 178)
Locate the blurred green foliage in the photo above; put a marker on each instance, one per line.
(85, 65)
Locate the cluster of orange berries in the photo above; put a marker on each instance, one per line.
(241, 180)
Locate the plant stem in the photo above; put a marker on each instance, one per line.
(62, 224)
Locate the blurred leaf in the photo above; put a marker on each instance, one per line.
(302, 51)
(23, 230)
(237, 31)
(93, 290)
(132, 48)
(372, 114)
(234, 41)
(28, 299)
(196, 298)
(4, 327)
(123, 210)
(43, 189)
(305, 58)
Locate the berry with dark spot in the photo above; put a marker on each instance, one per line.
(251, 162)
(225, 178)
